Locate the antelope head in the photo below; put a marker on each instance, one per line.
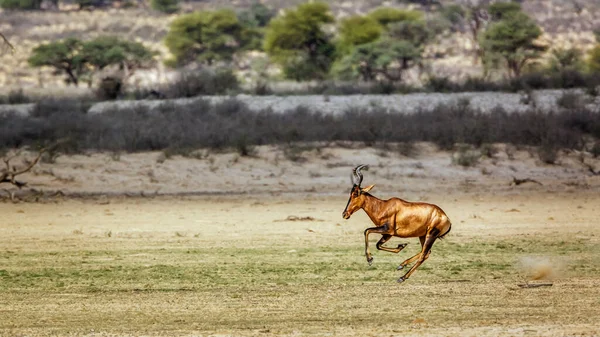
(357, 193)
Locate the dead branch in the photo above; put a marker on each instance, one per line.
(9, 174)
(7, 43)
(518, 182)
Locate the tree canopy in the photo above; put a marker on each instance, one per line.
(297, 41)
(388, 15)
(77, 58)
(206, 37)
(384, 58)
(66, 55)
(357, 30)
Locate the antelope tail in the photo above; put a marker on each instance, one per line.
(448, 231)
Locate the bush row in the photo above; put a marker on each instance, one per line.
(231, 124)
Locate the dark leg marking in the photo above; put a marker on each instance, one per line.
(385, 238)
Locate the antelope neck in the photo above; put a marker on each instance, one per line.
(373, 207)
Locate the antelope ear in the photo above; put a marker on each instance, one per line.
(367, 189)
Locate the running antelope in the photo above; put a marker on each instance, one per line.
(396, 217)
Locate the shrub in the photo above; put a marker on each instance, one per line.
(570, 100)
(21, 4)
(49, 106)
(15, 97)
(465, 156)
(165, 6)
(548, 153)
(203, 82)
(596, 149)
(566, 59)
(110, 88)
(593, 61)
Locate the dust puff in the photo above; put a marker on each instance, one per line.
(540, 268)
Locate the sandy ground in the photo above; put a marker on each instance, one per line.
(310, 168)
(217, 252)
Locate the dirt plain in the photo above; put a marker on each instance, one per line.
(223, 245)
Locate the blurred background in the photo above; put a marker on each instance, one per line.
(135, 49)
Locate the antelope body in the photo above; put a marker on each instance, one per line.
(397, 217)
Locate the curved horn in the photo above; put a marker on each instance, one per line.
(358, 174)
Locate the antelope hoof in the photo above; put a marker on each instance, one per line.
(370, 260)
(400, 267)
(401, 279)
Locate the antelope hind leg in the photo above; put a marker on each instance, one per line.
(421, 257)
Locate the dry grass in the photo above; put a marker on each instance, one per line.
(225, 265)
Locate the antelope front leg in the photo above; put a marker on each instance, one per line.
(378, 230)
(385, 238)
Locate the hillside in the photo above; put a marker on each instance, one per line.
(564, 23)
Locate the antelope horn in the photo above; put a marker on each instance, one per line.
(353, 178)
(358, 174)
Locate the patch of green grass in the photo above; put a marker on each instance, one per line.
(177, 268)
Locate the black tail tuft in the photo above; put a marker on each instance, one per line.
(443, 235)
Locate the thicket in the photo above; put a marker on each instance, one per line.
(231, 124)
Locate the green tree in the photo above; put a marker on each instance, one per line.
(165, 6)
(297, 42)
(104, 51)
(65, 56)
(21, 4)
(77, 58)
(593, 60)
(513, 39)
(205, 37)
(382, 59)
(502, 10)
(387, 15)
(357, 30)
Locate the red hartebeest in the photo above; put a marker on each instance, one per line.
(397, 217)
